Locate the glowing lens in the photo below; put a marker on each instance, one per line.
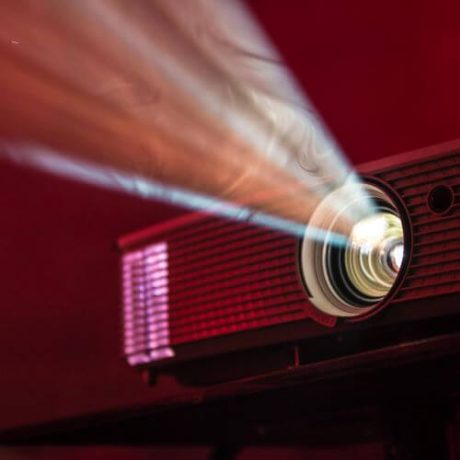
(351, 276)
(374, 256)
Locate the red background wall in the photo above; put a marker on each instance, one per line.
(385, 78)
(383, 75)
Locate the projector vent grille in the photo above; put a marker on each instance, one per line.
(228, 277)
(222, 277)
(435, 265)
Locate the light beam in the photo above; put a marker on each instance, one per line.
(188, 94)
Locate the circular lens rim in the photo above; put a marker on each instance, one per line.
(313, 263)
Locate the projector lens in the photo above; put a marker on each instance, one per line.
(349, 275)
(371, 257)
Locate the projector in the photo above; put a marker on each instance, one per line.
(201, 288)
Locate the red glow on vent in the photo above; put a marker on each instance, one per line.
(219, 278)
(146, 304)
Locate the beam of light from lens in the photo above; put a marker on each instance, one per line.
(47, 161)
(185, 93)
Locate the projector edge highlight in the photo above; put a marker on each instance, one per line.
(202, 286)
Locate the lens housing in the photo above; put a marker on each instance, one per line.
(349, 273)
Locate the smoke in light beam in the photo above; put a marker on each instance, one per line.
(189, 94)
(50, 162)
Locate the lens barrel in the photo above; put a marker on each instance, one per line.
(350, 274)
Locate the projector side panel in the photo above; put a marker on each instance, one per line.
(208, 277)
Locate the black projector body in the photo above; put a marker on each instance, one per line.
(212, 300)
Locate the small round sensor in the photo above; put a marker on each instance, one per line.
(440, 199)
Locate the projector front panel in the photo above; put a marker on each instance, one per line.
(434, 268)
